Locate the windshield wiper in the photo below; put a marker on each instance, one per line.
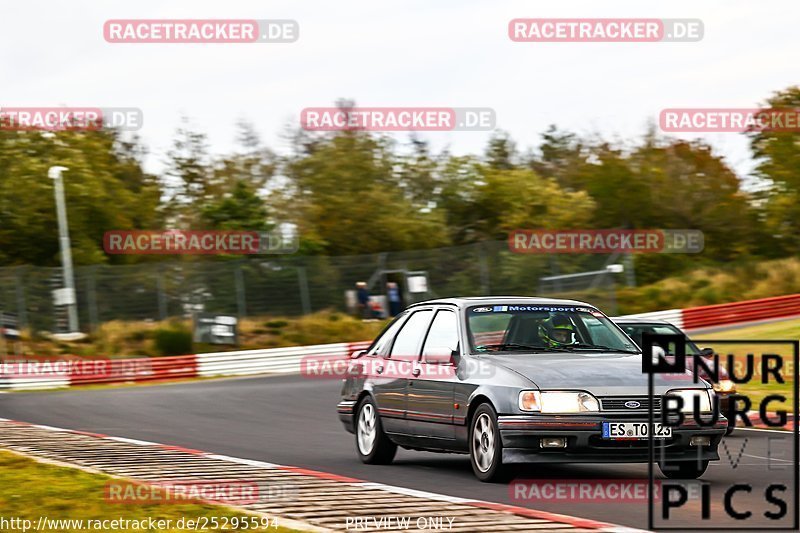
(517, 346)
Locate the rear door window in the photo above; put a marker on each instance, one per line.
(409, 340)
(443, 333)
(382, 344)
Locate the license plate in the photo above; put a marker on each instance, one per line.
(634, 430)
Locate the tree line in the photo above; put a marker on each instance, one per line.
(356, 192)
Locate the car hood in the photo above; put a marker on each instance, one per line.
(602, 374)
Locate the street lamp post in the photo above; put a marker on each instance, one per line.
(66, 252)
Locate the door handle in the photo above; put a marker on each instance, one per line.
(415, 372)
(379, 370)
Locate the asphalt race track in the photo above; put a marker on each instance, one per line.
(291, 420)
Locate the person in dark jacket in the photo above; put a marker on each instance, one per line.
(362, 296)
(393, 295)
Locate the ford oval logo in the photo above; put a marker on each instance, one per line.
(632, 405)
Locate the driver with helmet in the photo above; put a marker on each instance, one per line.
(557, 331)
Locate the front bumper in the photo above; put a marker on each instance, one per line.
(345, 409)
(521, 437)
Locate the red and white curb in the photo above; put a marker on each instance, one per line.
(318, 501)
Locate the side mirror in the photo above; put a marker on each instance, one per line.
(357, 354)
(707, 352)
(438, 355)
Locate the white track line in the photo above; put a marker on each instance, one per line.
(238, 460)
(131, 441)
(414, 492)
(784, 431)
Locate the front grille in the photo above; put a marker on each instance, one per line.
(617, 403)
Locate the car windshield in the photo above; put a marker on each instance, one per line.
(538, 328)
(635, 332)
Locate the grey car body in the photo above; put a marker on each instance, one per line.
(434, 413)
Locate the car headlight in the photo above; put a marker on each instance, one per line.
(725, 385)
(689, 395)
(558, 402)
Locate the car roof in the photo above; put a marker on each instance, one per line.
(642, 321)
(490, 300)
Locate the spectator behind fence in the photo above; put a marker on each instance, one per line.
(393, 295)
(362, 295)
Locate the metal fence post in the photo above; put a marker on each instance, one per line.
(612, 294)
(91, 290)
(305, 299)
(162, 300)
(556, 271)
(22, 311)
(483, 265)
(241, 302)
(630, 273)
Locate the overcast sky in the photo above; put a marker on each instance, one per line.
(401, 53)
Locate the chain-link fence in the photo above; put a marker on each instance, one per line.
(294, 285)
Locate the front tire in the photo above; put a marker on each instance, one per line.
(684, 469)
(372, 444)
(485, 445)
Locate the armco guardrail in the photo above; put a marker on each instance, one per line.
(732, 313)
(42, 374)
(288, 360)
(274, 360)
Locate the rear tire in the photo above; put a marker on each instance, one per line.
(486, 446)
(684, 469)
(372, 444)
